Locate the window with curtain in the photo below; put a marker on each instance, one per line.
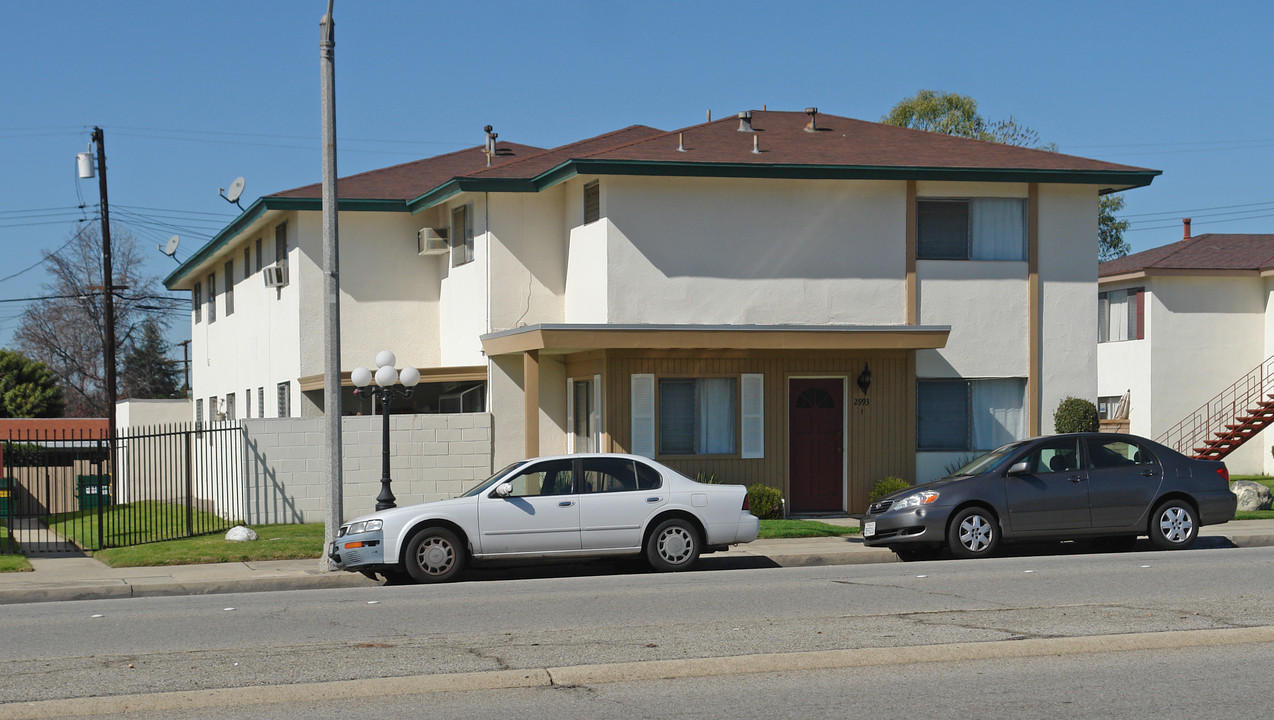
(698, 416)
(1120, 315)
(976, 229)
(964, 415)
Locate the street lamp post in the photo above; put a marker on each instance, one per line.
(390, 383)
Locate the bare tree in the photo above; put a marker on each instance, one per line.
(66, 329)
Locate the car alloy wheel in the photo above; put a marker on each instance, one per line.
(434, 555)
(674, 545)
(974, 533)
(1172, 526)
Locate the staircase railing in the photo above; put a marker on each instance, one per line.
(1230, 404)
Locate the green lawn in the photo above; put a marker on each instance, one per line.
(11, 563)
(131, 523)
(277, 542)
(776, 529)
(1265, 480)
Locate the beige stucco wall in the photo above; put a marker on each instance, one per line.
(749, 251)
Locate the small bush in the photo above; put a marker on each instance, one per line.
(766, 502)
(884, 487)
(707, 478)
(1075, 415)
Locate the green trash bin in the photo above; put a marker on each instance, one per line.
(6, 497)
(93, 491)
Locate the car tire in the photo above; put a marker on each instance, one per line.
(434, 555)
(973, 533)
(673, 546)
(1173, 525)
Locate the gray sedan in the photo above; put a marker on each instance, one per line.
(1083, 485)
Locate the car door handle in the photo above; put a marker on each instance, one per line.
(1077, 478)
(1148, 473)
(566, 503)
(653, 499)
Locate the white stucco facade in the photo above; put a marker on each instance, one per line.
(1203, 331)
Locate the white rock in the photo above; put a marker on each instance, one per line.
(1252, 495)
(240, 533)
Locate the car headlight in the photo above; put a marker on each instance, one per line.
(924, 497)
(363, 526)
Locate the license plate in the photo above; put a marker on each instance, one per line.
(869, 529)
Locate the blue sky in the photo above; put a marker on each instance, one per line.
(193, 94)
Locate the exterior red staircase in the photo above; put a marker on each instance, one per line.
(1225, 422)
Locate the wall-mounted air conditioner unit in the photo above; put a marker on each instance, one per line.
(276, 275)
(431, 241)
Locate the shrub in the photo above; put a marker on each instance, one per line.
(1075, 415)
(707, 478)
(766, 502)
(890, 484)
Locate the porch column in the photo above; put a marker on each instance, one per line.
(531, 401)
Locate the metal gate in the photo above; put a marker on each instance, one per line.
(66, 491)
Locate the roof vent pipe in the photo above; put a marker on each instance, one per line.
(756, 148)
(1185, 226)
(813, 113)
(490, 146)
(681, 142)
(745, 121)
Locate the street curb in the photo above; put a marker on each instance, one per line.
(741, 558)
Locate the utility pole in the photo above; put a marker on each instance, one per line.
(108, 294)
(331, 292)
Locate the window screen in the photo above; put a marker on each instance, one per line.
(942, 415)
(942, 229)
(592, 202)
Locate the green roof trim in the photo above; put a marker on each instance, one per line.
(1109, 179)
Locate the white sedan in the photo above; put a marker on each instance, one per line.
(570, 506)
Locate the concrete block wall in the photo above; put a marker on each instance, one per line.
(432, 457)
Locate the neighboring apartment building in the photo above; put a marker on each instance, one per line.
(804, 300)
(1179, 326)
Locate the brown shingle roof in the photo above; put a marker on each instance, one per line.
(1201, 252)
(413, 179)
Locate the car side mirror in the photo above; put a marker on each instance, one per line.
(1019, 468)
(504, 490)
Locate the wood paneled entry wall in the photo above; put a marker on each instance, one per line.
(876, 412)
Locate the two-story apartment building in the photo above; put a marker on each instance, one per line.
(804, 300)
(1186, 331)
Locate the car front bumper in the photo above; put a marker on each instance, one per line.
(913, 525)
(357, 552)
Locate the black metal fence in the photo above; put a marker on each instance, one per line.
(64, 492)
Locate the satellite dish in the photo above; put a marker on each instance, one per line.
(170, 248)
(235, 190)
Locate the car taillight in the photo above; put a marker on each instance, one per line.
(746, 507)
(1224, 473)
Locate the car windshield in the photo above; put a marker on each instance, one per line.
(987, 462)
(480, 487)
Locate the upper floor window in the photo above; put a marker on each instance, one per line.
(281, 243)
(592, 202)
(212, 297)
(257, 267)
(971, 229)
(1121, 315)
(229, 287)
(283, 393)
(196, 301)
(461, 236)
(247, 261)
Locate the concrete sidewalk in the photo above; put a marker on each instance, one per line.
(70, 577)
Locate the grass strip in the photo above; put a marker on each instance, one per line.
(785, 529)
(133, 523)
(277, 542)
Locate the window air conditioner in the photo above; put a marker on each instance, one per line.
(431, 241)
(276, 275)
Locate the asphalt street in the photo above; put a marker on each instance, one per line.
(500, 634)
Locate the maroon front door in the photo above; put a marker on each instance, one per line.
(816, 446)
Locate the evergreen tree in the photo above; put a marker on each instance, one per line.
(148, 373)
(27, 388)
